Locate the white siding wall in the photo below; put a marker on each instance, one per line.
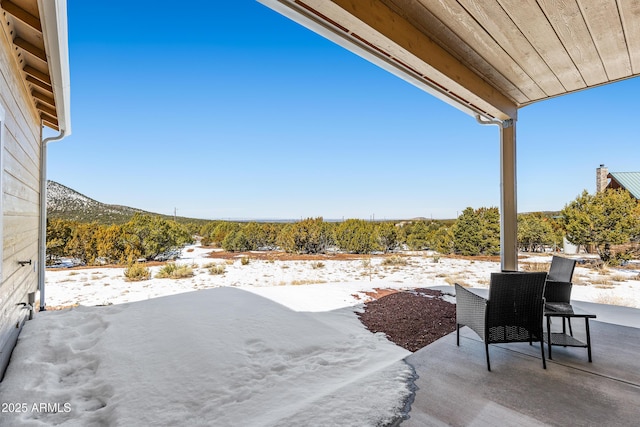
(20, 153)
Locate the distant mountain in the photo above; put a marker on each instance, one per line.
(66, 203)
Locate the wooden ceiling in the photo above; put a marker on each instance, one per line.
(23, 28)
(490, 57)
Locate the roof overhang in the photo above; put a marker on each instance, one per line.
(53, 14)
(371, 37)
(395, 58)
(37, 30)
(486, 58)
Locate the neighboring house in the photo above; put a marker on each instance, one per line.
(34, 95)
(630, 181)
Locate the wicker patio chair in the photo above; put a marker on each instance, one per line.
(557, 292)
(513, 312)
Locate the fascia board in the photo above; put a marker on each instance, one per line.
(53, 16)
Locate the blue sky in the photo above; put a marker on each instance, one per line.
(228, 110)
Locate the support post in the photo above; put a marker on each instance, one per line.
(508, 198)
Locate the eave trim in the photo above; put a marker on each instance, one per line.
(53, 16)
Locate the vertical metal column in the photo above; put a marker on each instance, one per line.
(508, 198)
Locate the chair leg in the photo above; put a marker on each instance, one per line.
(570, 330)
(458, 334)
(486, 347)
(544, 362)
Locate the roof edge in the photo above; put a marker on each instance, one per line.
(630, 181)
(53, 16)
(337, 34)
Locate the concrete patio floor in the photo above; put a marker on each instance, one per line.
(455, 388)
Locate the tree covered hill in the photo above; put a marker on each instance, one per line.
(66, 203)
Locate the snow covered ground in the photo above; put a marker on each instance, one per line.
(320, 285)
(264, 344)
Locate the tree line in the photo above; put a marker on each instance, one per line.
(593, 221)
(142, 237)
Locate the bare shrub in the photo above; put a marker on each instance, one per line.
(175, 271)
(452, 280)
(137, 272)
(217, 269)
(535, 266)
(395, 260)
(306, 282)
(605, 298)
(619, 278)
(580, 280)
(483, 282)
(602, 281)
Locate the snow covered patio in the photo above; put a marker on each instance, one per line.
(215, 357)
(225, 356)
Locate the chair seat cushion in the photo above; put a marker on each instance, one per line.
(560, 307)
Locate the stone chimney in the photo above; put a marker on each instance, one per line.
(601, 178)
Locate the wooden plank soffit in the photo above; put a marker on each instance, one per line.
(37, 74)
(28, 47)
(40, 84)
(21, 14)
(42, 97)
(53, 126)
(46, 109)
(48, 118)
(393, 35)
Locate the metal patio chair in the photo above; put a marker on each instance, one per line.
(557, 292)
(512, 313)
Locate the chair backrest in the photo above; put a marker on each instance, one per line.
(515, 302)
(561, 269)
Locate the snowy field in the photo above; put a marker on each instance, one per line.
(320, 285)
(269, 343)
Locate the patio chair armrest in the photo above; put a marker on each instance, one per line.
(470, 310)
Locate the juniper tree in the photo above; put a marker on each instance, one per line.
(309, 236)
(477, 232)
(387, 236)
(356, 236)
(534, 232)
(610, 217)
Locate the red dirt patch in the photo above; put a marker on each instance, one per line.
(283, 256)
(376, 293)
(410, 319)
(379, 293)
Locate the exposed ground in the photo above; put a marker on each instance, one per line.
(410, 319)
(284, 256)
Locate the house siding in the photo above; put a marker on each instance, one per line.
(20, 153)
